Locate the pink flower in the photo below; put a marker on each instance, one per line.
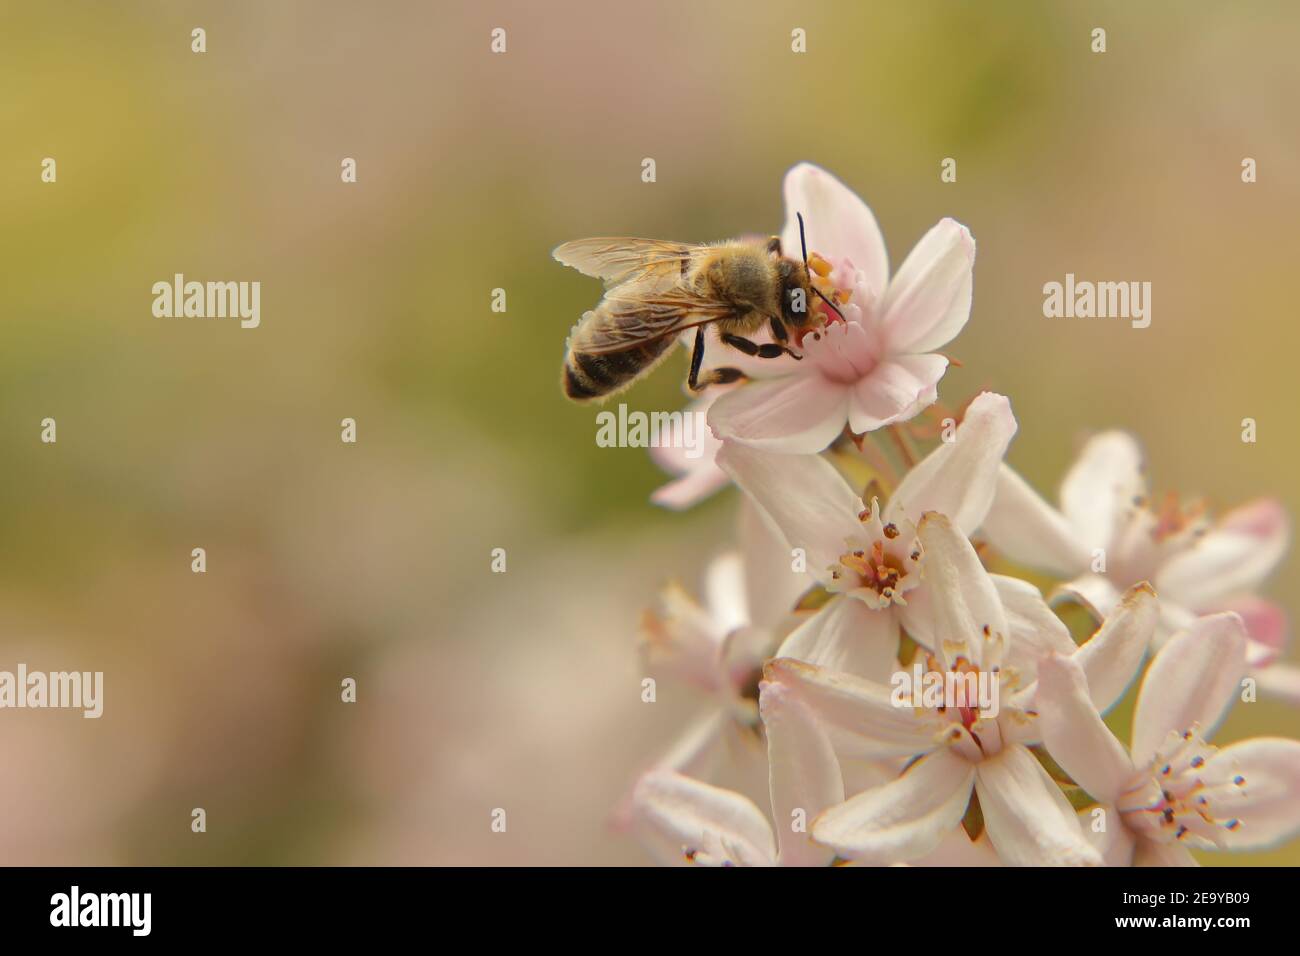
(684, 820)
(866, 555)
(878, 366)
(958, 751)
(717, 648)
(1109, 535)
(1171, 790)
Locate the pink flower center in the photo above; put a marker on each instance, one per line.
(841, 351)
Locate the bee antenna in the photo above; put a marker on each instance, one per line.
(822, 295)
(803, 247)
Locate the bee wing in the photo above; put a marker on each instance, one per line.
(638, 312)
(618, 260)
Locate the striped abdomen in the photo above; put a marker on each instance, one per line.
(590, 375)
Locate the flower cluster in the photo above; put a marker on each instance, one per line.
(912, 702)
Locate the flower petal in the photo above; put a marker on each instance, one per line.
(1266, 626)
(838, 224)
(1151, 853)
(698, 475)
(895, 390)
(1099, 490)
(803, 495)
(772, 586)
(1265, 801)
(1092, 592)
(1031, 532)
(958, 849)
(1240, 551)
(1028, 819)
(710, 825)
(804, 776)
(797, 414)
(681, 639)
(695, 753)
(1112, 657)
(724, 589)
(846, 635)
(959, 477)
(690, 489)
(1281, 681)
(928, 300)
(902, 820)
(967, 614)
(859, 715)
(1074, 733)
(1191, 682)
(1034, 631)
(1117, 843)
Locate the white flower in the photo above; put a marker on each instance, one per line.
(1172, 790)
(960, 749)
(719, 649)
(867, 557)
(878, 366)
(1108, 536)
(680, 819)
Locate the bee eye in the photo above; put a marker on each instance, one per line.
(796, 303)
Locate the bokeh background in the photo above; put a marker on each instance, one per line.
(327, 560)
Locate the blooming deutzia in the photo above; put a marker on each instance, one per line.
(718, 648)
(877, 366)
(681, 819)
(1108, 535)
(1171, 790)
(960, 748)
(867, 557)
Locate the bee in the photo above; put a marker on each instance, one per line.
(656, 290)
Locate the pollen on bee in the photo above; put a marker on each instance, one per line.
(819, 265)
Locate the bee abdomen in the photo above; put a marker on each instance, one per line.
(589, 375)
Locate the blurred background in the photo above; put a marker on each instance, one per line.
(327, 560)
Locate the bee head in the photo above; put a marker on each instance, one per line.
(796, 294)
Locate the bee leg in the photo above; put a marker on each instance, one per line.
(774, 245)
(782, 335)
(723, 376)
(766, 350)
(697, 358)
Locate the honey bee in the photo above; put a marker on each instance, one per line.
(655, 290)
